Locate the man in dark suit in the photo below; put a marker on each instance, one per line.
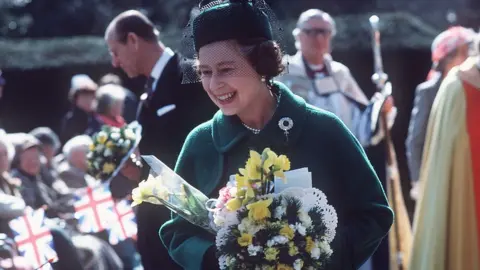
(168, 111)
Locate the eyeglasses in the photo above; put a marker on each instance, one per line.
(313, 32)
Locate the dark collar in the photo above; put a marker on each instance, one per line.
(228, 130)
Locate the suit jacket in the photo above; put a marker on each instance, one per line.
(163, 137)
(424, 97)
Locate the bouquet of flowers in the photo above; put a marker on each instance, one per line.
(255, 227)
(165, 187)
(260, 229)
(111, 148)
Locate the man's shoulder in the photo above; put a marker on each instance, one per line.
(339, 67)
(429, 85)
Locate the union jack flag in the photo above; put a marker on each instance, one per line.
(93, 209)
(33, 238)
(97, 211)
(125, 225)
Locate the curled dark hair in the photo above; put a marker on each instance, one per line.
(265, 56)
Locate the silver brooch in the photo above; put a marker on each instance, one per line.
(285, 124)
(144, 97)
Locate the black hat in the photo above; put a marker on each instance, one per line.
(237, 20)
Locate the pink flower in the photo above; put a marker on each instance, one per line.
(225, 195)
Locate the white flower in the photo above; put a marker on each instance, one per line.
(233, 191)
(231, 218)
(279, 212)
(305, 218)
(247, 226)
(298, 264)
(253, 250)
(315, 253)
(99, 148)
(219, 220)
(129, 134)
(270, 243)
(325, 247)
(127, 143)
(301, 229)
(96, 165)
(280, 239)
(107, 153)
(115, 136)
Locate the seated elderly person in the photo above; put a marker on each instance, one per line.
(110, 99)
(27, 166)
(12, 206)
(82, 251)
(49, 145)
(73, 171)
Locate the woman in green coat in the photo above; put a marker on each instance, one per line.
(237, 59)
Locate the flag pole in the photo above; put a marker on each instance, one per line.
(400, 236)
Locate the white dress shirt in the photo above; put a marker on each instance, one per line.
(160, 66)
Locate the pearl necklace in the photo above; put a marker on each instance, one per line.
(255, 130)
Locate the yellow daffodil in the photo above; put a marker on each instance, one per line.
(245, 240)
(149, 191)
(252, 170)
(287, 232)
(108, 167)
(281, 165)
(271, 254)
(141, 193)
(234, 204)
(268, 163)
(284, 267)
(242, 180)
(109, 145)
(102, 137)
(91, 147)
(268, 267)
(259, 210)
(310, 244)
(292, 249)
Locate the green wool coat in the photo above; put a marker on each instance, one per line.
(318, 140)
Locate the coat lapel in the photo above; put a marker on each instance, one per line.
(227, 131)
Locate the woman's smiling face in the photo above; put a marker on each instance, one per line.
(229, 79)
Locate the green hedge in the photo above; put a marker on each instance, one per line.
(399, 31)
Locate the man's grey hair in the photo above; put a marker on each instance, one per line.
(75, 143)
(314, 14)
(107, 95)
(5, 141)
